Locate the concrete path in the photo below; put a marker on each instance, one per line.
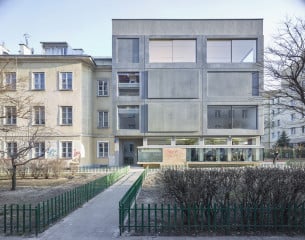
(97, 219)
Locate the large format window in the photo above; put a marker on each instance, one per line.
(102, 149)
(65, 81)
(128, 50)
(128, 84)
(10, 115)
(235, 51)
(128, 117)
(38, 81)
(10, 81)
(103, 121)
(66, 149)
(171, 50)
(66, 115)
(39, 115)
(102, 88)
(242, 117)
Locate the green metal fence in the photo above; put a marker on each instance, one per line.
(174, 219)
(27, 219)
(129, 198)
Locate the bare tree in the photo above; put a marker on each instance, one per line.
(285, 66)
(19, 137)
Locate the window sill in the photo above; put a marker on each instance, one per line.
(65, 90)
(65, 124)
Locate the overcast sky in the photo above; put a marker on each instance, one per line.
(87, 23)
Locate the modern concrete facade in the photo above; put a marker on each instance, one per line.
(198, 94)
(175, 92)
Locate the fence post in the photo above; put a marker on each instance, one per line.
(4, 218)
(37, 220)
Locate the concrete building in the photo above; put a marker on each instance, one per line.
(187, 90)
(175, 92)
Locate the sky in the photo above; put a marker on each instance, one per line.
(87, 24)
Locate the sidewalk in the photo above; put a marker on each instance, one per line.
(97, 219)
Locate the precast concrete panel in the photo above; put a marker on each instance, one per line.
(173, 83)
(229, 84)
(174, 117)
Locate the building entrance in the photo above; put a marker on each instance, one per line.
(129, 151)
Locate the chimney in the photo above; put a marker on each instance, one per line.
(4, 50)
(25, 50)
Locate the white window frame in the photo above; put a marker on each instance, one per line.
(66, 149)
(10, 81)
(103, 119)
(103, 153)
(39, 115)
(64, 81)
(39, 149)
(10, 115)
(65, 119)
(40, 77)
(10, 148)
(102, 88)
(293, 131)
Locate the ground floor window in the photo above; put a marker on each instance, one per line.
(102, 149)
(66, 149)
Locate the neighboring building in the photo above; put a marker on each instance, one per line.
(174, 92)
(278, 119)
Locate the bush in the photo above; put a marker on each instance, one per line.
(22, 171)
(6, 167)
(246, 186)
(56, 167)
(37, 167)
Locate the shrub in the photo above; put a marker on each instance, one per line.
(57, 166)
(245, 186)
(37, 167)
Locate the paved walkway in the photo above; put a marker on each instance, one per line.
(97, 219)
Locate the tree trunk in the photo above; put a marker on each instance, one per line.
(14, 177)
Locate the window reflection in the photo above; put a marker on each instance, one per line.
(236, 51)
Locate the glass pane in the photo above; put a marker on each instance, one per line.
(243, 141)
(158, 141)
(184, 50)
(245, 117)
(243, 50)
(128, 117)
(215, 141)
(186, 141)
(160, 51)
(218, 51)
(194, 154)
(128, 50)
(219, 117)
